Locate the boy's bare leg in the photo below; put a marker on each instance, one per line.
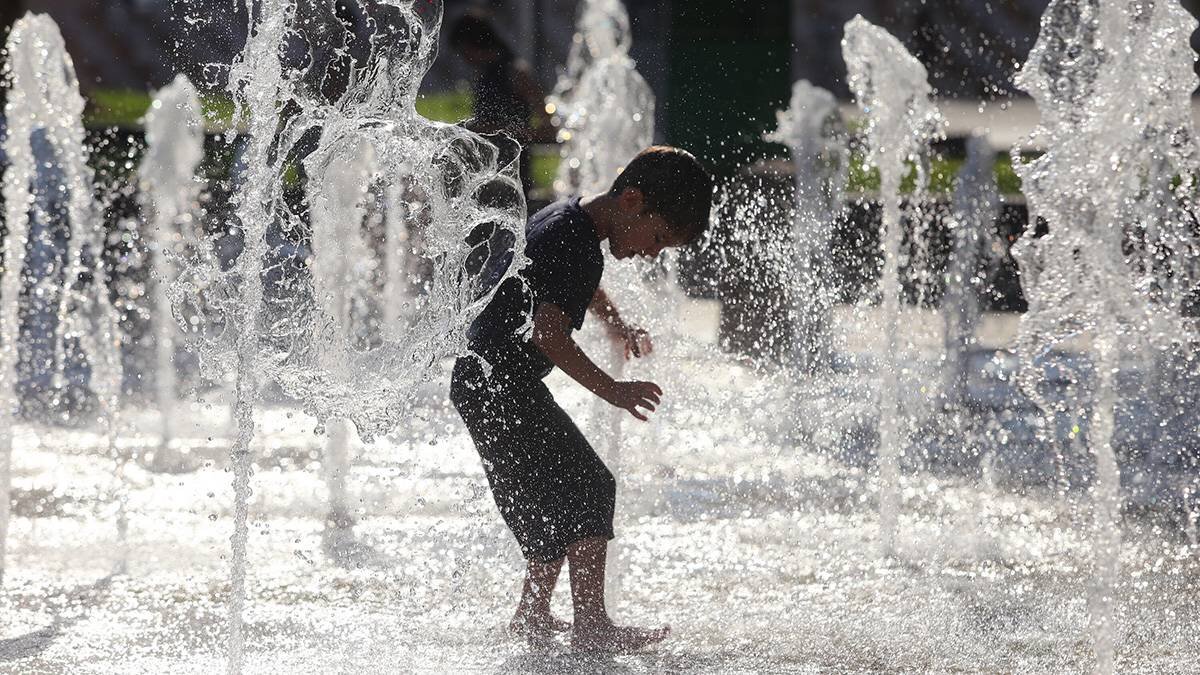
(594, 630)
(533, 619)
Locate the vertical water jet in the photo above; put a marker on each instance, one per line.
(812, 129)
(893, 90)
(976, 205)
(1113, 82)
(169, 191)
(44, 100)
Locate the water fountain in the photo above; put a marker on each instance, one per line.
(169, 191)
(892, 88)
(975, 208)
(812, 129)
(1113, 82)
(605, 108)
(341, 270)
(749, 519)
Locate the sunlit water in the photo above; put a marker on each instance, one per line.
(761, 553)
(813, 130)
(892, 88)
(1113, 81)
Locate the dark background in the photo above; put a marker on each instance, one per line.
(720, 68)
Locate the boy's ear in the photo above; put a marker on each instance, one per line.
(632, 200)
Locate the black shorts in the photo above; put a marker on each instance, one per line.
(551, 487)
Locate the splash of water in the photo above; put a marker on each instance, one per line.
(1113, 81)
(270, 316)
(169, 190)
(812, 129)
(44, 99)
(893, 90)
(975, 208)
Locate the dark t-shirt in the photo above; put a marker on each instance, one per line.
(565, 267)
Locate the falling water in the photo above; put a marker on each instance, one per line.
(976, 206)
(23, 109)
(893, 91)
(812, 129)
(1113, 81)
(169, 189)
(470, 209)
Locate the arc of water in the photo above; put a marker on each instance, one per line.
(893, 90)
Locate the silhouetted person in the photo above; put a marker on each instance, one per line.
(507, 98)
(552, 489)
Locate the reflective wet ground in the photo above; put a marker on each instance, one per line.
(756, 546)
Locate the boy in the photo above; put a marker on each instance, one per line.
(553, 491)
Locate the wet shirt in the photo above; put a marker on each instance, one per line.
(565, 267)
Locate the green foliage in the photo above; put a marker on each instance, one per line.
(544, 167)
(125, 108)
(1006, 178)
(942, 174)
(449, 107)
(116, 108)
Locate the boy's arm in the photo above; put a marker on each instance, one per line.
(551, 334)
(605, 310)
(637, 341)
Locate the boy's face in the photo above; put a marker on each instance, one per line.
(638, 232)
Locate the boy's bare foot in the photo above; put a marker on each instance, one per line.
(608, 637)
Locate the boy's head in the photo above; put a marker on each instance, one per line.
(663, 198)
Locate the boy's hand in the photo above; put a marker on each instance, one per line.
(634, 395)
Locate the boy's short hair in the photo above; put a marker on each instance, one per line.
(674, 185)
